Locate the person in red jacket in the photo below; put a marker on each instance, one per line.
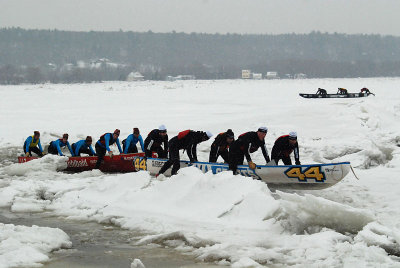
(284, 146)
(188, 141)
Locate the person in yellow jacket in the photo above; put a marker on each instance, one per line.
(32, 144)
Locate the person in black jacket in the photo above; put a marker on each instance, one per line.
(283, 147)
(220, 146)
(187, 140)
(154, 140)
(247, 143)
(321, 91)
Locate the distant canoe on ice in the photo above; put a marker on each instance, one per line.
(322, 96)
(303, 177)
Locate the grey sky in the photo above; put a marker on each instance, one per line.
(211, 16)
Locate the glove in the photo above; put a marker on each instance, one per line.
(27, 154)
(298, 162)
(252, 165)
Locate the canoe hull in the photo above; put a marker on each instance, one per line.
(306, 177)
(118, 163)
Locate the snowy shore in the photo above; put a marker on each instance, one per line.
(221, 218)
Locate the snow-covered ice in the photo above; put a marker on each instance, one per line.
(221, 218)
(29, 246)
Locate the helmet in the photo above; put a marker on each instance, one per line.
(293, 135)
(263, 129)
(230, 134)
(162, 129)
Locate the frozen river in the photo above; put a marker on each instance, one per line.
(194, 218)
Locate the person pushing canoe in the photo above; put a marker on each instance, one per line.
(154, 140)
(103, 145)
(283, 147)
(83, 147)
(247, 143)
(321, 91)
(55, 146)
(342, 91)
(32, 144)
(129, 144)
(188, 141)
(220, 146)
(366, 90)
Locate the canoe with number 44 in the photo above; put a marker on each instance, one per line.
(301, 177)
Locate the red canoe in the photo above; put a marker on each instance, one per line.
(117, 163)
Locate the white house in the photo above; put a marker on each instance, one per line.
(246, 74)
(272, 75)
(257, 76)
(300, 76)
(135, 76)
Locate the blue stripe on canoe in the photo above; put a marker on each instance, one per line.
(259, 166)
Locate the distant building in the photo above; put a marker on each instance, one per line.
(300, 76)
(246, 74)
(180, 77)
(135, 76)
(170, 78)
(185, 77)
(272, 75)
(257, 76)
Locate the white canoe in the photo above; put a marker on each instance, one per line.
(304, 177)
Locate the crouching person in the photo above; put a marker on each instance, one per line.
(153, 142)
(55, 146)
(103, 145)
(83, 147)
(283, 147)
(247, 143)
(32, 144)
(220, 146)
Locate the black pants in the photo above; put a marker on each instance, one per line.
(132, 148)
(285, 159)
(173, 160)
(101, 152)
(35, 150)
(52, 149)
(161, 153)
(236, 157)
(81, 150)
(214, 155)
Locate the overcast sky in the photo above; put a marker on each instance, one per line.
(211, 16)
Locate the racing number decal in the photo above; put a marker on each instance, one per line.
(309, 173)
(295, 173)
(314, 173)
(140, 164)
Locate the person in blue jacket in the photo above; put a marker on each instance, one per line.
(55, 146)
(129, 144)
(32, 144)
(103, 145)
(83, 147)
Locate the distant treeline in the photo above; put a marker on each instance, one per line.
(42, 55)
